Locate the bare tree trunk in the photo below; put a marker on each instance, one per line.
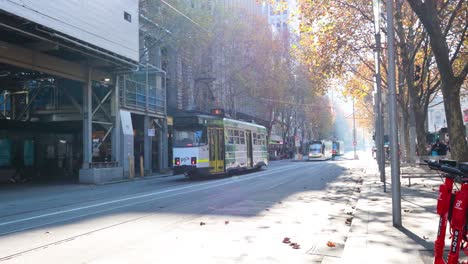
(450, 84)
(420, 132)
(405, 133)
(456, 128)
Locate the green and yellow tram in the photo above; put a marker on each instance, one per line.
(213, 145)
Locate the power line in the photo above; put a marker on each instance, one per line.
(185, 16)
(293, 103)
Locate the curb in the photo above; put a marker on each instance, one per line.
(154, 176)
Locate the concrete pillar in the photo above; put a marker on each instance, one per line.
(87, 122)
(116, 131)
(148, 146)
(126, 141)
(163, 149)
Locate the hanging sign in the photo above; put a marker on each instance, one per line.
(126, 121)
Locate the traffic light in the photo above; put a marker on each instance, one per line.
(417, 73)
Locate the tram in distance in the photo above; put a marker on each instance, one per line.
(320, 150)
(213, 145)
(338, 148)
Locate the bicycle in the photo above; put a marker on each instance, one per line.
(452, 206)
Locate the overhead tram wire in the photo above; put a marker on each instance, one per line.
(186, 17)
(293, 103)
(200, 27)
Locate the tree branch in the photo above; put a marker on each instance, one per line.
(452, 17)
(460, 44)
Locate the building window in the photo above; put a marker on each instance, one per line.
(127, 17)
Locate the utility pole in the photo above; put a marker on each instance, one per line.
(379, 131)
(395, 162)
(354, 132)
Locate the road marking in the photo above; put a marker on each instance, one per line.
(203, 185)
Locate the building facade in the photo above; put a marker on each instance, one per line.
(436, 119)
(76, 102)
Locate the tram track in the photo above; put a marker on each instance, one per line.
(71, 238)
(186, 189)
(156, 211)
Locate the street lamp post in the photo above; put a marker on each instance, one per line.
(354, 133)
(394, 153)
(379, 131)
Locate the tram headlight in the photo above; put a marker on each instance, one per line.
(177, 161)
(193, 160)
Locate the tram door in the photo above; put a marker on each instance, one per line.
(248, 135)
(216, 142)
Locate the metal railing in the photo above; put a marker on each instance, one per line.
(108, 164)
(143, 91)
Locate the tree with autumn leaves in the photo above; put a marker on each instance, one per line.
(337, 39)
(250, 69)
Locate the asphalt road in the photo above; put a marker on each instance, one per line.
(240, 219)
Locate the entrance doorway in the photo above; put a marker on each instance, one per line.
(216, 144)
(248, 134)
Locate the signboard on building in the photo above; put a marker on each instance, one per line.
(111, 25)
(126, 120)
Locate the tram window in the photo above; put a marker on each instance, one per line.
(230, 136)
(254, 135)
(189, 137)
(242, 137)
(236, 140)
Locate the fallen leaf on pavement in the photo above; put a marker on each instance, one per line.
(354, 207)
(202, 223)
(226, 222)
(425, 238)
(331, 244)
(296, 246)
(349, 213)
(286, 240)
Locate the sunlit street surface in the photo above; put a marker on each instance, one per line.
(233, 131)
(240, 219)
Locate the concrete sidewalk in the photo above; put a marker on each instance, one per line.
(372, 237)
